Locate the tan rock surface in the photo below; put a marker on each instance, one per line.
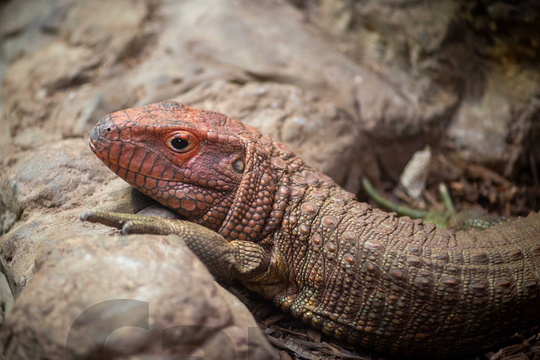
(87, 289)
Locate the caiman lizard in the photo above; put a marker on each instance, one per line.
(256, 212)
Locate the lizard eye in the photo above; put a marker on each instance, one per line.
(181, 142)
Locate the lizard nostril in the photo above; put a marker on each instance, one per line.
(106, 126)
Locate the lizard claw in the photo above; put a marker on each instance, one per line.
(129, 228)
(87, 215)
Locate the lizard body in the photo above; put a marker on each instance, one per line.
(368, 277)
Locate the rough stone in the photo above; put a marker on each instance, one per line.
(89, 287)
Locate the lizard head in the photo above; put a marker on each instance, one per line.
(201, 164)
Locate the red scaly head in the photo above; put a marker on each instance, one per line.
(201, 164)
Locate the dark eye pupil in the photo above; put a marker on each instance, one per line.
(179, 144)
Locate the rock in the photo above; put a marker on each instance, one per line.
(43, 193)
(115, 25)
(88, 288)
(472, 67)
(6, 296)
(32, 86)
(494, 129)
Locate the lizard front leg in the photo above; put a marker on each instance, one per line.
(240, 260)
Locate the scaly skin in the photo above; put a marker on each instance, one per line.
(290, 233)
